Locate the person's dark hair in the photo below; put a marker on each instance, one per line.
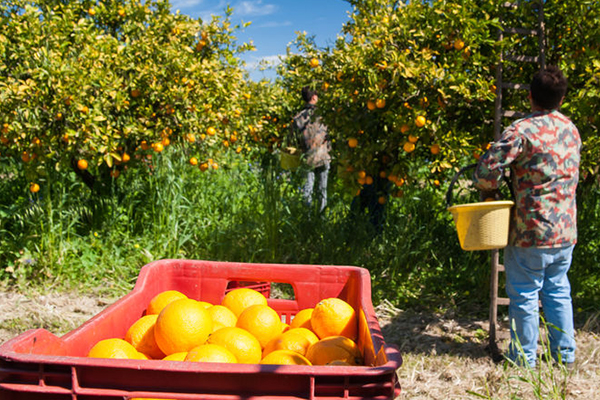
(308, 93)
(548, 87)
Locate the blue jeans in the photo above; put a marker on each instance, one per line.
(539, 273)
(321, 173)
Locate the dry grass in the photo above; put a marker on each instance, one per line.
(444, 356)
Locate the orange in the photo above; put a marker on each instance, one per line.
(205, 304)
(176, 356)
(409, 147)
(334, 348)
(285, 357)
(158, 147)
(334, 317)
(413, 139)
(82, 164)
(404, 128)
(239, 299)
(371, 105)
(210, 353)
(314, 63)
(352, 143)
(182, 325)
(244, 346)
(210, 131)
(141, 336)
(115, 348)
(161, 300)
(302, 319)
(261, 321)
(221, 316)
(435, 149)
(380, 103)
(293, 340)
(194, 161)
(459, 44)
(34, 188)
(420, 121)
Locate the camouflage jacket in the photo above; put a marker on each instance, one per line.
(313, 137)
(542, 151)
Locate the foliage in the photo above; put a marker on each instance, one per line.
(114, 83)
(394, 62)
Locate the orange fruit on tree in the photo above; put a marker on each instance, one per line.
(210, 353)
(261, 321)
(294, 340)
(182, 325)
(435, 149)
(239, 299)
(314, 62)
(34, 188)
(420, 121)
(334, 317)
(409, 147)
(221, 316)
(115, 348)
(176, 356)
(141, 336)
(381, 200)
(459, 44)
(82, 164)
(158, 147)
(334, 348)
(162, 299)
(210, 131)
(404, 128)
(371, 105)
(413, 139)
(302, 319)
(380, 103)
(285, 357)
(244, 346)
(352, 143)
(115, 173)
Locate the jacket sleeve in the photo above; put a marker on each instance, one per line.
(499, 156)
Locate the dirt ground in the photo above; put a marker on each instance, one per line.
(444, 357)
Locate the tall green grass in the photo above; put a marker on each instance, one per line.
(246, 211)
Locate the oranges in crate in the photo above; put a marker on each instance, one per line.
(242, 329)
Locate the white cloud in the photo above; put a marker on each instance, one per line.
(274, 24)
(266, 61)
(253, 8)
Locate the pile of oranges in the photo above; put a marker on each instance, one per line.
(242, 329)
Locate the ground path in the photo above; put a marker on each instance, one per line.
(444, 356)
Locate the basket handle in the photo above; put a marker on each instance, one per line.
(453, 181)
(506, 178)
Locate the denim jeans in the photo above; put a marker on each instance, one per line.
(539, 273)
(321, 174)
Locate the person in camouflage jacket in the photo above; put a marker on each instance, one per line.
(542, 151)
(314, 141)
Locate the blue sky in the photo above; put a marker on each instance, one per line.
(274, 23)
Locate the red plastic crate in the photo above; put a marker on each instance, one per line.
(40, 365)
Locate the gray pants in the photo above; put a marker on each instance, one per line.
(321, 174)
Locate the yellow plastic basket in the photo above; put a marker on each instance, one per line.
(482, 226)
(290, 159)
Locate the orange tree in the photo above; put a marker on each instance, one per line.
(408, 89)
(97, 87)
